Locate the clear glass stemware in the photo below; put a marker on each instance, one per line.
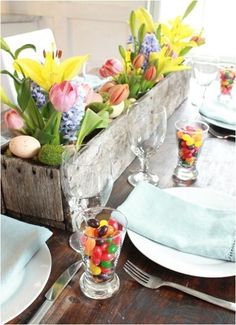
(145, 139)
(86, 179)
(205, 71)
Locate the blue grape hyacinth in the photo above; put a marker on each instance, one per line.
(149, 44)
(38, 95)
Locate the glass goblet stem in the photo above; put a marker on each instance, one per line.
(144, 165)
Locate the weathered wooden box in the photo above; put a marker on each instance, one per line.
(32, 192)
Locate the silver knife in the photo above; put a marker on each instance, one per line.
(55, 290)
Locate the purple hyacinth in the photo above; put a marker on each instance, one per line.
(70, 122)
(38, 95)
(149, 44)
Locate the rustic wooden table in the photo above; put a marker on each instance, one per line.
(135, 304)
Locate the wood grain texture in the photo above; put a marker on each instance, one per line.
(31, 190)
(135, 304)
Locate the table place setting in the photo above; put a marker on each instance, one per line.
(113, 233)
(25, 265)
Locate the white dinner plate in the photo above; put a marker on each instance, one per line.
(219, 123)
(183, 262)
(34, 278)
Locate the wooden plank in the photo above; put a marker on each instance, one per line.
(31, 190)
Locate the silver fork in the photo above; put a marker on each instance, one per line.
(219, 135)
(153, 282)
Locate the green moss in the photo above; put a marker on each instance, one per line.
(51, 154)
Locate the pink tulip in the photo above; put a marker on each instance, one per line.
(63, 96)
(90, 95)
(111, 68)
(13, 120)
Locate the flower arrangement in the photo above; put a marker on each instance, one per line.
(153, 51)
(56, 108)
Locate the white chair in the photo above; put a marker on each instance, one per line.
(42, 39)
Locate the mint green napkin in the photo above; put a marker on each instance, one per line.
(185, 226)
(219, 112)
(20, 241)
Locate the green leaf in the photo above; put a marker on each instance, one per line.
(52, 127)
(28, 106)
(122, 52)
(4, 99)
(158, 33)
(90, 122)
(44, 137)
(26, 46)
(132, 19)
(11, 75)
(185, 50)
(189, 8)
(5, 47)
(141, 33)
(97, 107)
(105, 119)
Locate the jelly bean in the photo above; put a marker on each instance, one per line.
(116, 238)
(95, 270)
(107, 257)
(100, 242)
(89, 244)
(179, 134)
(112, 248)
(89, 231)
(104, 247)
(198, 144)
(110, 230)
(97, 252)
(120, 226)
(96, 260)
(102, 231)
(93, 223)
(113, 223)
(190, 142)
(106, 264)
(103, 223)
(106, 270)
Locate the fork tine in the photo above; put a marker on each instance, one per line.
(134, 276)
(144, 274)
(133, 271)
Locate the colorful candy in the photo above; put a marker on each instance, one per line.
(101, 245)
(190, 140)
(227, 77)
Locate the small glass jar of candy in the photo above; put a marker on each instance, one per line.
(227, 79)
(190, 137)
(101, 234)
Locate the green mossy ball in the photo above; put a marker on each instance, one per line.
(51, 154)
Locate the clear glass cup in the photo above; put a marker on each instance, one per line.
(145, 139)
(227, 81)
(87, 181)
(190, 138)
(101, 234)
(205, 71)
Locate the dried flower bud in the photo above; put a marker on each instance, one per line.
(118, 93)
(198, 40)
(150, 73)
(138, 61)
(105, 88)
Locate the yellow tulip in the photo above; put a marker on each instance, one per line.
(51, 71)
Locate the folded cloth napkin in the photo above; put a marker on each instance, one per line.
(20, 241)
(185, 226)
(219, 112)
